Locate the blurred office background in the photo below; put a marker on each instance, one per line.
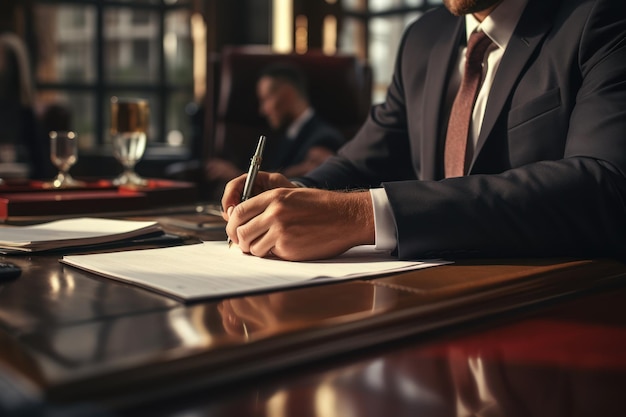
(85, 51)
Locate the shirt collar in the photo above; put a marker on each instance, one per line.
(500, 23)
(296, 125)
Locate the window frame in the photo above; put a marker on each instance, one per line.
(102, 89)
(364, 15)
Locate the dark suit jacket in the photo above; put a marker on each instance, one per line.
(548, 174)
(315, 132)
(18, 122)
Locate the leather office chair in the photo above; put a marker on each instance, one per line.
(339, 86)
(340, 90)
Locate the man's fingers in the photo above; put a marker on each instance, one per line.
(246, 221)
(263, 245)
(232, 194)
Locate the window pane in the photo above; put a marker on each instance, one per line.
(131, 45)
(179, 127)
(351, 37)
(139, 1)
(385, 36)
(66, 43)
(178, 48)
(381, 5)
(140, 17)
(355, 5)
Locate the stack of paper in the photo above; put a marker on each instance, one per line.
(211, 269)
(71, 233)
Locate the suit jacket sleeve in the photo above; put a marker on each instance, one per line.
(549, 179)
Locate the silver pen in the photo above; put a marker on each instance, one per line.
(255, 165)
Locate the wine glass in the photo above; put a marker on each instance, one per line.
(63, 154)
(129, 128)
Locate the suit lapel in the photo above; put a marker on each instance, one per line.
(444, 55)
(534, 24)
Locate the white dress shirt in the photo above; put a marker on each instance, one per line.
(296, 126)
(499, 26)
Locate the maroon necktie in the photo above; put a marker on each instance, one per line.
(457, 152)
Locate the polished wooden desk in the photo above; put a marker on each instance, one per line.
(479, 337)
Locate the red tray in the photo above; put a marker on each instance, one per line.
(69, 202)
(31, 198)
(161, 192)
(21, 186)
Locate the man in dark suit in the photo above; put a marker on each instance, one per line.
(301, 140)
(20, 139)
(546, 169)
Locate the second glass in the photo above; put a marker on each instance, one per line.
(129, 133)
(63, 154)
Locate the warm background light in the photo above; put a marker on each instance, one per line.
(302, 34)
(329, 45)
(282, 27)
(198, 36)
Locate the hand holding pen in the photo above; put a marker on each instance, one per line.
(255, 166)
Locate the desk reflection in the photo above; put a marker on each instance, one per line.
(83, 323)
(265, 314)
(61, 324)
(549, 367)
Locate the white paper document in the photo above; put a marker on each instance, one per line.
(71, 233)
(211, 269)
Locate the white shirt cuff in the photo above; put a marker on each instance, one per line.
(384, 223)
(298, 184)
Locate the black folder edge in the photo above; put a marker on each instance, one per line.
(158, 238)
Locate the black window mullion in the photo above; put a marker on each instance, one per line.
(162, 90)
(100, 90)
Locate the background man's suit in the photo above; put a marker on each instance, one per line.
(285, 152)
(548, 174)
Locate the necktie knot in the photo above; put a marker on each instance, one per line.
(476, 47)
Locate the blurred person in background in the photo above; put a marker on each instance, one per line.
(20, 139)
(304, 140)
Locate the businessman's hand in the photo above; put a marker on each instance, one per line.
(264, 181)
(298, 223)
